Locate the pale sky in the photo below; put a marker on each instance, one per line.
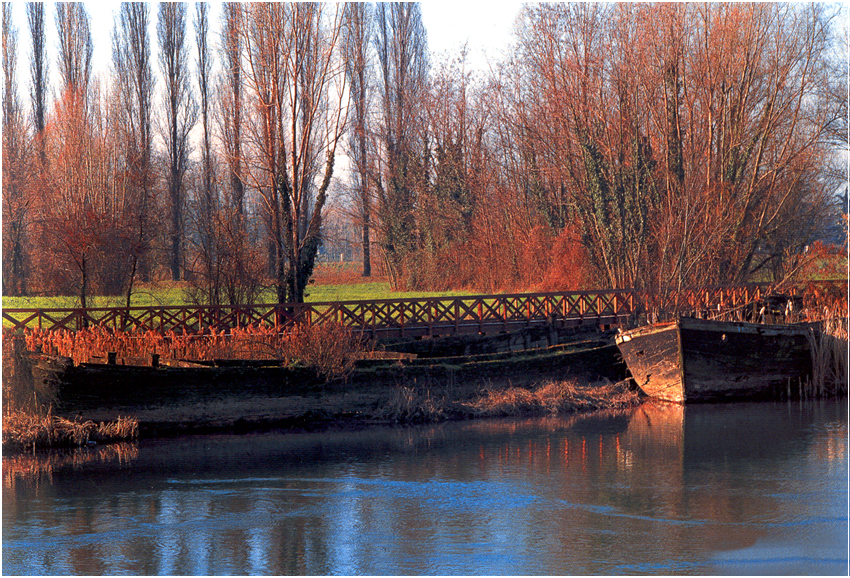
(485, 26)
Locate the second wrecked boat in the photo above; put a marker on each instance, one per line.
(698, 360)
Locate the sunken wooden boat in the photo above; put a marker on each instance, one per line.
(176, 397)
(697, 360)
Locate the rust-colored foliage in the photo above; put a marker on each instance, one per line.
(826, 300)
(328, 348)
(652, 146)
(824, 261)
(567, 270)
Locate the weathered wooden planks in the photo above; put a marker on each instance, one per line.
(696, 360)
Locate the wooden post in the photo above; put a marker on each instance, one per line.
(504, 314)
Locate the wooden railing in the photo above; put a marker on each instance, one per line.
(378, 318)
(385, 318)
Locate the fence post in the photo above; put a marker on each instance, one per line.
(616, 306)
(504, 303)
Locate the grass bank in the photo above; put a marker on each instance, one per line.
(332, 282)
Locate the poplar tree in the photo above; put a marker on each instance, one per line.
(15, 204)
(133, 81)
(231, 102)
(180, 116)
(359, 72)
(202, 27)
(39, 70)
(402, 56)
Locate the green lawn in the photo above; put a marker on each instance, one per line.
(175, 296)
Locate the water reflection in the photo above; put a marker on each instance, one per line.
(33, 469)
(737, 489)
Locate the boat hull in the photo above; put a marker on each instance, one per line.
(696, 360)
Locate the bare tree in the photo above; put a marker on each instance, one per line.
(296, 81)
(226, 266)
(682, 136)
(131, 59)
(181, 115)
(202, 28)
(38, 69)
(357, 40)
(82, 234)
(402, 54)
(75, 47)
(66, 186)
(445, 210)
(232, 99)
(205, 257)
(15, 203)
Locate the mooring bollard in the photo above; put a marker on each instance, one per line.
(111, 358)
(154, 359)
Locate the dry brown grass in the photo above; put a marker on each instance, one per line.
(555, 397)
(25, 431)
(409, 404)
(28, 420)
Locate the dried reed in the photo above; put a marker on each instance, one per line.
(24, 431)
(329, 348)
(829, 347)
(410, 404)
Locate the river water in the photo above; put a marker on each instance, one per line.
(752, 488)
